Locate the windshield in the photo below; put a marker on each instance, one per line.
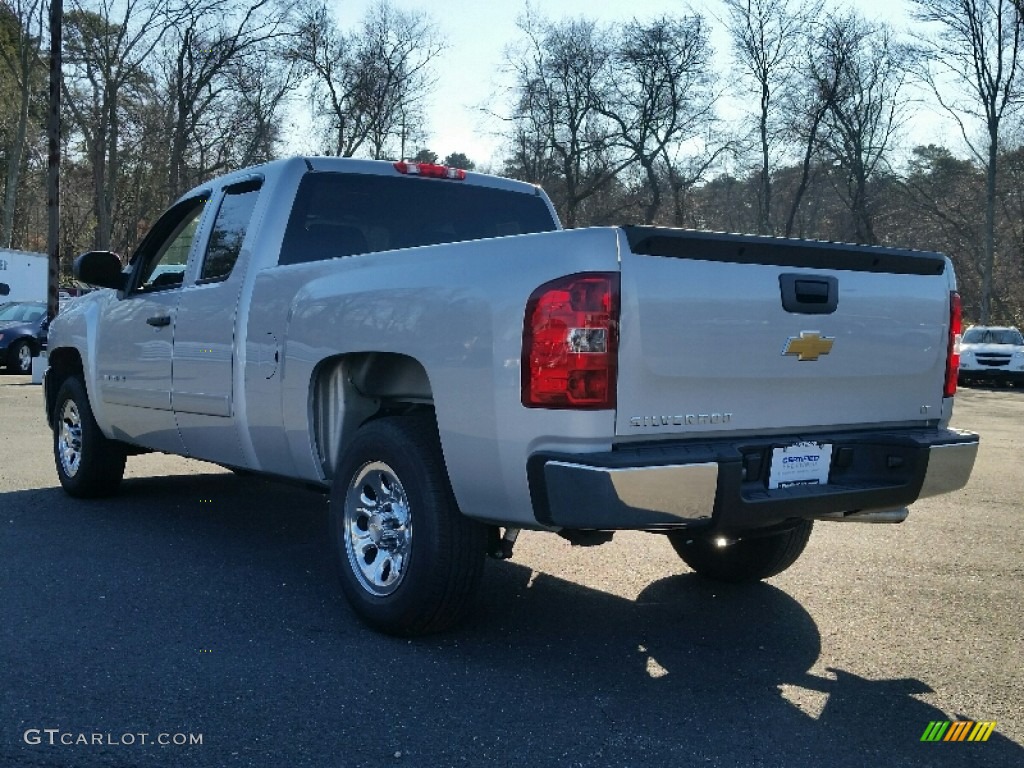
(25, 313)
(993, 336)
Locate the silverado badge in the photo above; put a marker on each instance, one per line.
(809, 345)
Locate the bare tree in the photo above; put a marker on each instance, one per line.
(259, 90)
(685, 173)
(866, 111)
(559, 71)
(658, 93)
(943, 194)
(205, 65)
(325, 54)
(977, 52)
(529, 153)
(367, 86)
(767, 36)
(819, 77)
(106, 55)
(22, 23)
(394, 56)
(847, 110)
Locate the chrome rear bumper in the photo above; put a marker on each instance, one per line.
(723, 484)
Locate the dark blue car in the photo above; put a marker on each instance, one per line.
(23, 328)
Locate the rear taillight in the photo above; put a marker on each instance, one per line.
(570, 342)
(953, 350)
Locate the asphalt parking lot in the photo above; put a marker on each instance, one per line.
(201, 604)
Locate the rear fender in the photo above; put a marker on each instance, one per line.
(349, 390)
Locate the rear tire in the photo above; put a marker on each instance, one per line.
(89, 464)
(743, 560)
(390, 484)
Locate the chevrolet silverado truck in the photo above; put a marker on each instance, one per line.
(429, 347)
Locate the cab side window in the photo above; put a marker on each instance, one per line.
(165, 252)
(229, 230)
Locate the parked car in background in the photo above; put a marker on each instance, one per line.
(23, 330)
(992, 354)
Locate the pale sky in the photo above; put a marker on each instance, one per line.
(469, 71)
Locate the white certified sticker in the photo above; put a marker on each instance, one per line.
(800, 464)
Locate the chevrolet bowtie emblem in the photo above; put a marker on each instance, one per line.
(809, 345)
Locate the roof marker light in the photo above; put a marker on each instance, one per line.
(429, 170)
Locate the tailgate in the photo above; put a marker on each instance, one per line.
(749, 334)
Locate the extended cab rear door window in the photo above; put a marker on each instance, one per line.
(229, 228)
(344, 214)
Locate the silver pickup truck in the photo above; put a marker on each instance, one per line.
(431, 348)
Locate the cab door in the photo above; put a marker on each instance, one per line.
(134, 351)
(205, 359)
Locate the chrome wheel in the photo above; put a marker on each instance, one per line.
(24, 359)
(391, 473)
(377, 528)
(69, 438)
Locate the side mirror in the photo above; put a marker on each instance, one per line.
(5, 289)
(102, 268)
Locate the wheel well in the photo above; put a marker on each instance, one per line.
(28, 340)
(350, 390)
(63, 363)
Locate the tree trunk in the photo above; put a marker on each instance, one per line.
(862, 223)
(801, 190)
(177, 160)
(989, 254)
(14, 158)
(654, 205)
(676, 185)
(113, 169)
(101, 233)
(764, 224)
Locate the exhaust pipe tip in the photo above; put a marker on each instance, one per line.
(890, 516)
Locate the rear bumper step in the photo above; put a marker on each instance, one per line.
(723, 485)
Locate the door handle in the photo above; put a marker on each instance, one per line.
(809, 294)
(159, 321)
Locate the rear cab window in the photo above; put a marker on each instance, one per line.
(229, 228)
(345, 214)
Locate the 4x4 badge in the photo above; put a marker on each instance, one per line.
(809, 345)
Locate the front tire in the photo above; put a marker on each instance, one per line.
(743, 560)
(89, 464)
(408, 560)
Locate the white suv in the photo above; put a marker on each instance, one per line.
(992, 353)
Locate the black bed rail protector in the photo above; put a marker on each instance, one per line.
(781, 252)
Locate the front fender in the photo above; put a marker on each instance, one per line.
(74, 335)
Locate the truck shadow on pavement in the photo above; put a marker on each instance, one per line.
(726, 668)
(209, 603)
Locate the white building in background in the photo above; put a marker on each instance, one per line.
(24, 274)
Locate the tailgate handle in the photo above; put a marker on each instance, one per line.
(809, 295)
